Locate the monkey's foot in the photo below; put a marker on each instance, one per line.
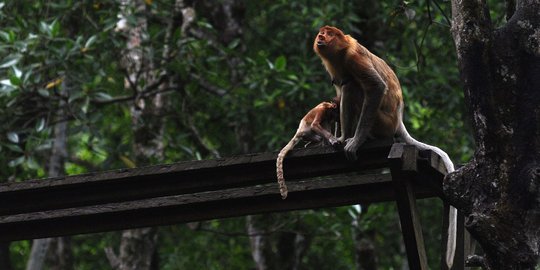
(351, 147)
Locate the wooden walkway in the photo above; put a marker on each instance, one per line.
(236, 186)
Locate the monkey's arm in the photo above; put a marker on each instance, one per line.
(319, 129)
(374, 87)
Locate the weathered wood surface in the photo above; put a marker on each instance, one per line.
(307, 194)
(198, 190)
(181, 178)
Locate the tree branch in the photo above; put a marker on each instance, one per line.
(510, 8)
(208, 86)
(112, 257)
(443, 13)
(199, 140)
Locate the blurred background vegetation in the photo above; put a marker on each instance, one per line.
(235, 77)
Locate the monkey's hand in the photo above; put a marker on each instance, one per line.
(351, 146)
(333, 140)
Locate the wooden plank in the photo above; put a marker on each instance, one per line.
(461, 249)
(404, 168)
(182, 178)
(308, 194)
(444, 234)
(431, 171)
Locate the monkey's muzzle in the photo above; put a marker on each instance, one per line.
(321, 43)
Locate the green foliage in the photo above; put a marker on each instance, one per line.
(67, 54)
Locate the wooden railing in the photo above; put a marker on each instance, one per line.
(210, 189)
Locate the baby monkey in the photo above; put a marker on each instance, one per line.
(314, 127)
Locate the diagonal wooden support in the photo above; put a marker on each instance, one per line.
(403, 167)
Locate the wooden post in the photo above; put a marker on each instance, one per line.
(459, 259)
(403, 168)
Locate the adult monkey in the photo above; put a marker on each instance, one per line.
(371, 102)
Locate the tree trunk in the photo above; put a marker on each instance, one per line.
(273, 249)
(40, 247)
(364, 243)
(261, 251)
(138, 246)
(499, 190)
(60, 256)
(37, 254)
(5, 260)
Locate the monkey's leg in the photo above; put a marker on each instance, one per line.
(347, 111)
(374, 89)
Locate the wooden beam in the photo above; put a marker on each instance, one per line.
(182, 178)
(403, 166)
(308, 194)
(201, 190)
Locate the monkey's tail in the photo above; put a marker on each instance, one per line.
(452, 215)
(279, 165)
(403, 134)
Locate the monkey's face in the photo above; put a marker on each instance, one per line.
(334, 113)
(328, 38)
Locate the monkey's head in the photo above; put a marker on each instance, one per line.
(329, 40)
(336, 100)
(332, 109)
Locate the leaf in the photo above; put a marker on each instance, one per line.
(14, 148)
(40, 125)
(4, 36)
(281, 104)
(32, 164)
(44, 28)
(47, 145)
(10, 61)
(13, 137)
(270, 64)
(6, 82)
(234, 43)
(54, 83)
(75, 95)
(27, 75)
(128, 162)
(410, 13)
(16, 162)
(292, 77)
(14, 80)
(43, 92)
(16, 71)
(89, 42)
(280, 63)
(55, 28)
(103, 96)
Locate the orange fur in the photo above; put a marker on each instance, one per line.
(315, 126)
(344, 58)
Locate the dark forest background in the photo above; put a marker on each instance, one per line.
(100, 85)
